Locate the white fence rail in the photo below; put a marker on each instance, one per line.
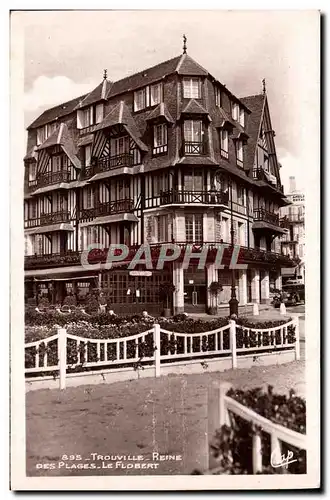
(155, 346)
(219, 407)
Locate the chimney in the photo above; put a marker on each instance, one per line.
(292, 184)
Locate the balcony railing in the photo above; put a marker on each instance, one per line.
(252, 256)
(285, 222)
(48, 219)
(263, 215)
(187, 197)
(193, 148)
(50, 178)
(261, 175)
(110, 208)
(295, 218)
(108, 163)
(67, 258)
(54, 218)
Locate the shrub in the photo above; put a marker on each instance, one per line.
(70, 300)
(232, 446)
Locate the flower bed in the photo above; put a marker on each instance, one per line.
(232, 446)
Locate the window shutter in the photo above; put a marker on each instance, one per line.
(80, 118)
(99, 113)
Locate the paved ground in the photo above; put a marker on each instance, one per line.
(168, 415)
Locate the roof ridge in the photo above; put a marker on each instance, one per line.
(146, 69)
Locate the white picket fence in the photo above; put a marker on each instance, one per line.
(164, 347)
(219, 407)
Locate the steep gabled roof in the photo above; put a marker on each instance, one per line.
(61, 136)
(187, 66)
(160, 111)
(121, 115)
(256, 104)
(144, 77)
(222, 119)
(53, 114)
(98, 94)
(194, 108)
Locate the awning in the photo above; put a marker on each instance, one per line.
(288, 271)
(49, 229)
(137, 169)
(63, 272)
(267, 225)
(71, 278)
(108, 219)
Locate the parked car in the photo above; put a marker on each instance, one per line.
(291, 295)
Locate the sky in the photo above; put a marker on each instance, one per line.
(67, 51)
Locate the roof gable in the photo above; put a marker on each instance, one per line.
(187, 66)
(98, 94)
(256, 105)
(195, 108)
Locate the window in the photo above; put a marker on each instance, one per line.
(191, 88)
(266, 162)
(41, 134)
(241, 116)
(224, 143)
(88, 153)
(194, 228)
(193, 181)
(87, 117)
(32, 171)
(99, 110)
(218, 97)
(235, 111)
(89, 198)
(155, 94)
(160, 139)
(239, 153)
(139, 99)
(121, 145)
(164, 228)
(56, 163)
(240, 195)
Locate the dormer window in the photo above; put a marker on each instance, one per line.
(191, 88)
(46, 131)
(218, 97)
(224, 143)
(193, 137)
(90, 115)
(160, 139)
(237, 113)
(239, 153)
(151, 95)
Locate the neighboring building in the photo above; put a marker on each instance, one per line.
(137, 161)
(293, 242)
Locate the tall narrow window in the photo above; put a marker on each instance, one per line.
(99, 111)
(160, 139)
(194, 228)
(56, 163)
(191, 88)
(241, 117)
(240, 195)
(193, 137)
(193, 181)
(87, 117)
(139, 99)
(155, 94)
(235, 111)
(88, 152)
(32, 171)
(239, 153)
(224, 143)
(218, 97)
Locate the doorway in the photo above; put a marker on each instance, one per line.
(195, 290)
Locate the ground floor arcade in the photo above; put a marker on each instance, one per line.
(132, 291)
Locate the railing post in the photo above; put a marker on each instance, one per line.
(256, 452)
(157, 349)
(217, 415)
(232, 334)
(297, 334)
(62, 356)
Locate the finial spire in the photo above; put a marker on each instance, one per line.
(264, 86)
(105, 74)
(184, 44)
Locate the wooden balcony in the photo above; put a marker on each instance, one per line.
(261, 175)
(194, 148)
(109, 163)
(48, 219)
(110, 208)
(263, 215)
(182, 197)
(43, 261)
(50, 178)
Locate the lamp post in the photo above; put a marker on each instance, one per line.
(233, 302)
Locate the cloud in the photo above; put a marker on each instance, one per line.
(47, 92)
